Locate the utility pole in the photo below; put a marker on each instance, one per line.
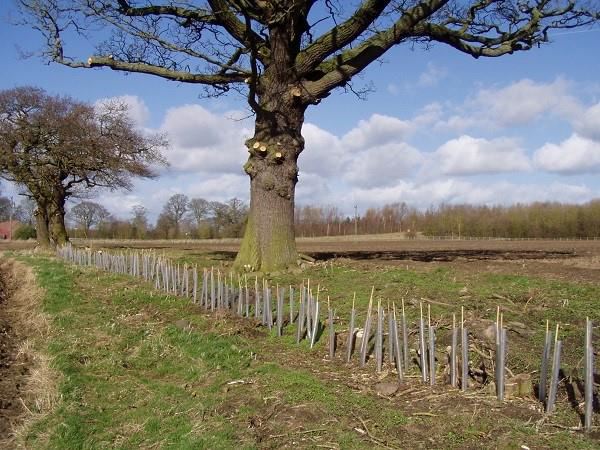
(355, 220)
(10, 216)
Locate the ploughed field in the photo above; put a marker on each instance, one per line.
(381, 247)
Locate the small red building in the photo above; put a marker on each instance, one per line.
(5, 229)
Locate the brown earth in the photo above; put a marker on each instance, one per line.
(13, 369)
(575, 260)
(382, 247)
(28, 386)
(16, 245)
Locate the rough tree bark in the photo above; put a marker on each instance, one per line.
(58, 231)
(269, 240)
(41, 227)
(56, 213)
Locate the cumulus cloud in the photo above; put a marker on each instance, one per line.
(523, 101)
(221, 187)
(312, 188)
(202, 141)
(374, 152)
(118, 203)
(382, 165)
(428, 115)
(587, 122)
(575, 155)
(323, 152)
(516, 104)
(377, 130)
(461, 191)
(467, 155)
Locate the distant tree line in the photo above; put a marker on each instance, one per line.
(181, 217)
(195, 218)
(539, 220)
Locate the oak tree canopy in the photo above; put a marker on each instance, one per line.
(56, 148)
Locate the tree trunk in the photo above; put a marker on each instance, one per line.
(41, 227)
(269, 240)
(58, 232)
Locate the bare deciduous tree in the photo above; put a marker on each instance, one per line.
(139, 221)
(57, 147)
(229, 217)
(199, 209)
(175, 209)
(88, 214)
(285, 56)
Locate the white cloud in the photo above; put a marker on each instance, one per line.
(220, 188)
(323, 152)
(377, 130)
(523, 101)
(467, 155)
(516, 104)
(384, 159)
(575, 155)
(312, 188)
(382, 165)
(374, 152)
(118, 203)
(587, 122)
(460, 191)
(201, 141)
(428, 115)
(432, 75)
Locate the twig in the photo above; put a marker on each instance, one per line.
(370, 436)
(315, 430)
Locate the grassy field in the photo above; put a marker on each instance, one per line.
(143, 370)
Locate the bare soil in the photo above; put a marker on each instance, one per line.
(13, 369)
(381, 247)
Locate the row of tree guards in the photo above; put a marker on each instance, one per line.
(213, 290)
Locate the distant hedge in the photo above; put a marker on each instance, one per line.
(25, 232)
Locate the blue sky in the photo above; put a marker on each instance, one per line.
(439, 127)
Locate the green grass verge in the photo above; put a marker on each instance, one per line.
(134, 379)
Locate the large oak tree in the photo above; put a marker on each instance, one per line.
(285, 55)
(57, 147)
